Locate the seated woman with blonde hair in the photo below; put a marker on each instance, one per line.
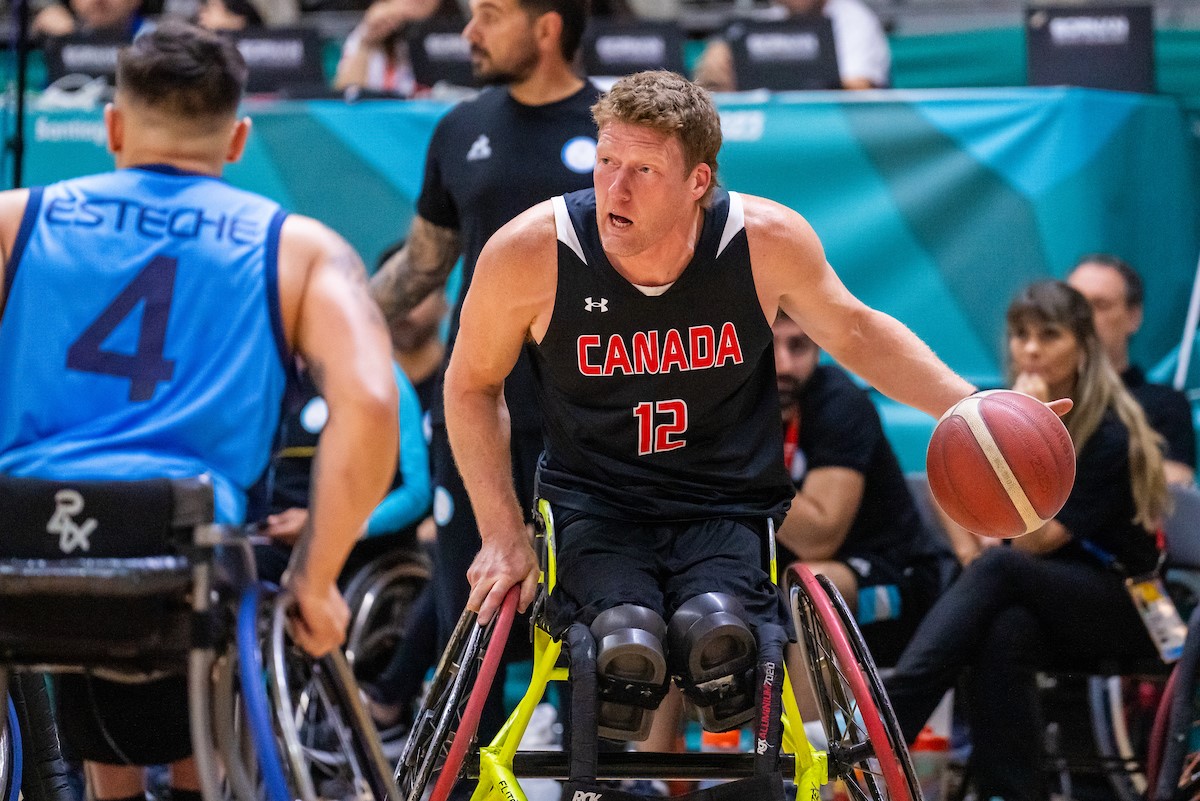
(1056, 598)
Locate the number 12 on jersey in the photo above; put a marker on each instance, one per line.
(660, 426)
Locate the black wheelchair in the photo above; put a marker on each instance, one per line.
(132, 580)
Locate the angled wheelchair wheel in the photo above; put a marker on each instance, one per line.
(381, 596)
(332, 749)
(446, 723)
(866, 749)
(1121, 711)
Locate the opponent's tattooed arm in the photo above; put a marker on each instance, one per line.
(417, 269)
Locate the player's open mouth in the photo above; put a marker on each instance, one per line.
(619, 221)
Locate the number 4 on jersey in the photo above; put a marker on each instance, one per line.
(145, 367)
(659, 426)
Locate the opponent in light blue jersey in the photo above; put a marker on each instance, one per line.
(145, 318)
(152, 296)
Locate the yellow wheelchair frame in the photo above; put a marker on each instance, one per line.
(864, 749)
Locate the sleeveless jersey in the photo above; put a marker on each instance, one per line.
(660, 408)
(141, 334)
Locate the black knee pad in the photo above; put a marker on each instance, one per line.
(632, 670)
(713, 655)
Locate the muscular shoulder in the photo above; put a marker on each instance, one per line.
(305, 237)
(304, 245)
(775, 231)
(518, 266)
(784, 249)
(524, 246)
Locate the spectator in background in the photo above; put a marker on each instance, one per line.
(1115, 292)
(375, 54)
(863, 56)
(238, 15)
(228, 15)
(1056, 599)
(121, 18)
(289, 478)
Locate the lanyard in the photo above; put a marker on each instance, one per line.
(791, 441)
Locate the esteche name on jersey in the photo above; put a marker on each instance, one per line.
(699, 348)
(154, 222)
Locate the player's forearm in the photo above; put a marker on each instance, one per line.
(811, 532)
(417, 269)
(478, 425)
(355, 462)
(904, 369)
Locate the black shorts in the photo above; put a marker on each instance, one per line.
(124, 724)
(604, 563)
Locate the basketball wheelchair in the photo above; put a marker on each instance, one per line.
(616, 670)
(129, 581)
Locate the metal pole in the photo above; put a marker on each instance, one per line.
(1189, 334)
(16, 143)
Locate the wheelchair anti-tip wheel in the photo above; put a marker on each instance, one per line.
(866, 750)
(445, 724)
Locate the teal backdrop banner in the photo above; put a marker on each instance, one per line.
(934, 205)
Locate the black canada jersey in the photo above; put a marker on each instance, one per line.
(490, 159)
(662, 407)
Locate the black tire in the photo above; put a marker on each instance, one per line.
(1179, 773)
(865, 748)
(381, 596)
(441, 720)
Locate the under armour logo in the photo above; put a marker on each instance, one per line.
(70, 534)
(481, 149)
(592, 305)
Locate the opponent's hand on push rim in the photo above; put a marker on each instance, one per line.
(319, 616)
(501, 564)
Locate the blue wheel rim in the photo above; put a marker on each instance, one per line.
(250, 670)
(14, 738)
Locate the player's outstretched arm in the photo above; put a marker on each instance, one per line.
(341, 335)
(511, 295)
(417, 269)
(792, 272)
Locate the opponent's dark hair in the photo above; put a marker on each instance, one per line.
(184, 70)
(574, 15)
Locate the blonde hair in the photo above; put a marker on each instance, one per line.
(1097, 389)
(667, 102)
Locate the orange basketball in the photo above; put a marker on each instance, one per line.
(1000, 463)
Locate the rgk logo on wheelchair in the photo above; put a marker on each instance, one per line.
(71, 535)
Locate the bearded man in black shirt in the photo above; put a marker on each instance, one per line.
(527, 137)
